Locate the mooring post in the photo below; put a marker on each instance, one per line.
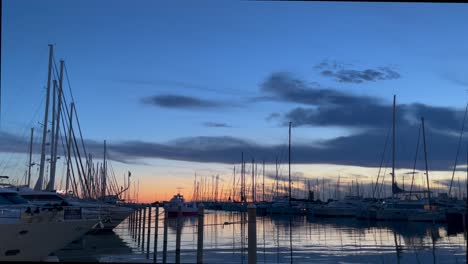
(139, 225)
(143, 230)
(156, 224)
(135, 224)
(165, 237)
(149, 232)
(131, 224)
(178, 235)
(201, 212)
(252, 232)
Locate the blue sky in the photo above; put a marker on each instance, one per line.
(121, 52)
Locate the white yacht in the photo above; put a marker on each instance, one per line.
(31, 233)
(400, 209)
(339, 208)
(109, 215)
(281, 205)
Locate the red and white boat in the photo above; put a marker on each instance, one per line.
(186, 208)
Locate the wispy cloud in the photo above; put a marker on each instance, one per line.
(180, 101)
(344, 73)
(215, 124)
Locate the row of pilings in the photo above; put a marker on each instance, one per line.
(139, 226)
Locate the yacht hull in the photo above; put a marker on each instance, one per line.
(35, 241)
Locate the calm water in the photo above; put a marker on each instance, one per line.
(281, 239)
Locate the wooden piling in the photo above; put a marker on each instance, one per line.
(252, 232)
(135, 223)
(165, 237)
(201, 213)
(156, 224)
(139, 225)
(143, 230)
(178, 234)
(149, 232)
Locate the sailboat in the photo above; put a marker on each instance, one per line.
(405, 205)
(104, 208)
(285, 204)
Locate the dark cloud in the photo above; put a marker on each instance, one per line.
(341, 73)
(284, 86)
(180, 101)
(215, 124)
(329, 107)
(359, 150)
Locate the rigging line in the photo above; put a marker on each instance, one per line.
(23, 135)
(415, 159)
(68, 81)
(75, 112)
(14, 152)
(381, 162)
(82, 172)
(458, 150)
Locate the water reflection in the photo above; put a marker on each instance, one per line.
(298, 239)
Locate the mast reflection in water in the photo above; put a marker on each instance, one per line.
(300, 239)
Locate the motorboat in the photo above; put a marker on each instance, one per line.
(282, 205)
(177, 204)
(339, 208)
(110, 215)
(31, 233)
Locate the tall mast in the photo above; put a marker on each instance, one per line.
(425, 159)
(289, 170)
(393, 145)
(67, 181)
(234, 184)
(30, 156)
(56, 133)
(276, 165)
(104, 174)
(52, 131)
(263, 182)
(253, 181)
(242, 177)
(38, 186)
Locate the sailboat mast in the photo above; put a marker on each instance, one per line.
(425, 159)
(30, 156)
(393, 145)
(242, 178)
(104, 174)
(52, 131)
(234, 184)
(40, 180)
(56, 133)
(263, 182)
(253, 180)
(276, 178)
(289, 170)
(67, 181)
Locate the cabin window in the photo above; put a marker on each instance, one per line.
(42, 197)
(11, 198)
(4, 200)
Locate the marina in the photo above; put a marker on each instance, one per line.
(175, 140)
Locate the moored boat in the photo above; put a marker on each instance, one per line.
(177, 204)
